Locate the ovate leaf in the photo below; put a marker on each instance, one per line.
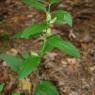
(35, 4)
(57, 42)
(29, 65)
(22, 67)
(64, 46)
(32, 30)
(63, 17)
(13, 61)
(46, 88)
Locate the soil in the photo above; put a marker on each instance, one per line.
(71, 76)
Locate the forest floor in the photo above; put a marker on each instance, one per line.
(72, 76)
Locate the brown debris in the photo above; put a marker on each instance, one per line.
(72, 76)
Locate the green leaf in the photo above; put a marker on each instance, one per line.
(46, 88)
(32, 30)
(54, 1)
(57, 42)
(60, 16)
(46, 47)
(64, 46)
(16, 94)
(63, 17)
(29, 65)
(25, 54)
(67, 18)
(22, 67)
(35, 4)
(1, 87)
(13, 61)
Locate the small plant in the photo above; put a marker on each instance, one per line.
(27, 63)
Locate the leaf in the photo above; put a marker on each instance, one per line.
(46, 88)
(46, 47)
(32, 30)
(25, 54)
(1, 87)
(54, 1)
(25, 85)
(60, 16)
(22, 67)
(64, 46)
(57, 42)
(13, 61)
(29, 65)
(16, 94)
(67, 18)
(35, 4)
(63, 17)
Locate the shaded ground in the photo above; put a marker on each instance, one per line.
(71, 76)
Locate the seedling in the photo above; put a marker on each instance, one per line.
(49, 41)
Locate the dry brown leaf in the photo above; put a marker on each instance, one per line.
(13, 51)
(25, 85)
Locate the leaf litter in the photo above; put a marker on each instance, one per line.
(70, 75)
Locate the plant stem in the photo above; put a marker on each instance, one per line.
(48, 31)
(43, 47)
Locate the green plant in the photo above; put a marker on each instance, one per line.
(27, 63)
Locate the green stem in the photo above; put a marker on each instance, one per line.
(43, 47)
(48, 31)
